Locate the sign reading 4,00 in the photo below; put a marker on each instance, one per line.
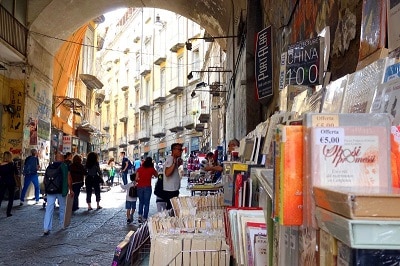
(304, 65)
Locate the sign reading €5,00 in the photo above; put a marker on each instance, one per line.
(263, 63)
(304, 62)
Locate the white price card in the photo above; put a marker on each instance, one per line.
(329, 136)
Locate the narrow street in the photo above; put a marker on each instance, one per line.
(89, 240)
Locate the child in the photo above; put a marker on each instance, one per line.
(130, 203)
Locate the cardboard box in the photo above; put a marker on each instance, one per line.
(360, 202)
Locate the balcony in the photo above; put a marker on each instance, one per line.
(158, 96)
(159, 131)
(123, 116)
(104, 148)
(13, 33)
(177, 90)
(106, 127)
(176, 46)
(199, 127)
(91, 82)
(144, 105)
(145, 70)
(160, 59)
(125, 88)
(204, 118)
(144, 136)
(133, 139)
(112, 146)
(176, 126)
(122, 142)
(100, 96)
(188, 121)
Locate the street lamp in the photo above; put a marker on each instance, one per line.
(188, 43)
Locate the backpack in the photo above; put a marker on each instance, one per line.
(53, 178)
(30, 166)
(133, 192)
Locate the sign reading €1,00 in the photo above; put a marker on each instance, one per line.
(304, 65)
(263, 63)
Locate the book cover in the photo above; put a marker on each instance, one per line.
(392, 21)
(350, 156)
(361, 88)
(378, 233)
(291, 176)
(253, 229)
(260, 250)
(333, 97)
(359, 202)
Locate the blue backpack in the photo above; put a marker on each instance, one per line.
(30, 166)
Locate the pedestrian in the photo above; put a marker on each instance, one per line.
(130, 202)
(59, 195)
(172, 180)
(143, 178)
(68, 158)
(8, 171)
(31, 167)
(111, 172)
(137, 163)
(93, 179)
(77, 172)
(125, 167)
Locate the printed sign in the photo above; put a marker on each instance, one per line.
(304, 62)
(67, 144)
(263, 63)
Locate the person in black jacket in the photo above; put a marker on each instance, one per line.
(93, 179)
(7, 180)
(77, 172)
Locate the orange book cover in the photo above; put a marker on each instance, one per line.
(291, 176)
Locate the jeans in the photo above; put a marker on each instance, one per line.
(27, 181)
(125, 177)
(48, 216)
(76, 188)
(144, 195)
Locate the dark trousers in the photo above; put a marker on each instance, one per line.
(11, 190)
(92, 184)
(169, 195)
(76, 188)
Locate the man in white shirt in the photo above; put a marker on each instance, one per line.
(172, 180)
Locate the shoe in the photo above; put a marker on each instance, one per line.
(9, 214)
(128, 221)
(140, 219)
(37, 203)
(46, 233)
(99, 208)
(21, 203)
(90, 209)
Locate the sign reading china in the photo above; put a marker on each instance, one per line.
(304, 63)
(67, 144)
(263, 63)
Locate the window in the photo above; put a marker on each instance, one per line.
(162, 81)
(196, 63)
(180, 71)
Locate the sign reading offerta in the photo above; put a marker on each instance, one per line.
(263, 63)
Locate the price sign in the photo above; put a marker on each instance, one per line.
(329, 136)
(304, 62)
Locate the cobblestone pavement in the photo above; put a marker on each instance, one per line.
(89, 240)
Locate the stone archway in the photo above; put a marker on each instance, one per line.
(61, 18)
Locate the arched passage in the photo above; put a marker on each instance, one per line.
(61, 18)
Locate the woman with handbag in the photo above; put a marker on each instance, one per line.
(93, 179)
(143, 177)
(8, 171)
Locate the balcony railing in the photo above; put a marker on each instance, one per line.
(123, 116)
(176, 126)
(144, 135)
(12, 31)
(133, 139)
(122, 142)
(159, 131)
(144, 105)
(188, 121)
(88, 119)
